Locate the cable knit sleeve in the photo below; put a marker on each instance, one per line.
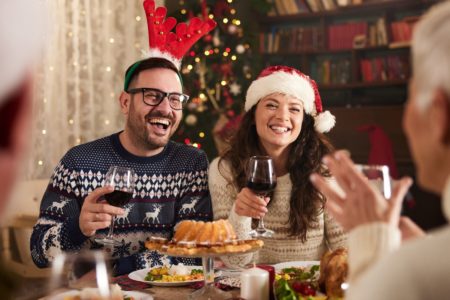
(223, 195)
(368, 243)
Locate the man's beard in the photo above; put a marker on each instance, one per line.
(139, 133)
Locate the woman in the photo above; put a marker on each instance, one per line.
(283, 120)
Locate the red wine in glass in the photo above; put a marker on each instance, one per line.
(261, 179)
(123, 180)
(262, 188)
(118, 198)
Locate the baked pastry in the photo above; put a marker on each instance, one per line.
(333, 272)
(199, 238)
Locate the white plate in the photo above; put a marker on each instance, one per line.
(140, 275)
(289, 264)
(135, 295)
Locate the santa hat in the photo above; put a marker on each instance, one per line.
(290, 81)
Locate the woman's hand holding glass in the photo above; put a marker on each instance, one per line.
(249, 204)
(361, 203)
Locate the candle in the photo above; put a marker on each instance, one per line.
(255, 284)
(271, 271)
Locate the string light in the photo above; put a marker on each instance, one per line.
(233, 57)
(106, 122)
(232, 11)
(40, 162)
(225, 20)
(189, 67)
(138, 18)
(230, 1)
(211, 16)
(196, 145)
(223, 82)
(111, 40)
(71, 122)
(44, 131)
(44, 100)
(206, 52)
(225, 54)
(108, 69)
(197, 59)
(183, 11)
(51, 68)
(201, 134)
(202, 96)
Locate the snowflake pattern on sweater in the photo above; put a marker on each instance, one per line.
(171, 186)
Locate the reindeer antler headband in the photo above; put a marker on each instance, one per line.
(166, 44)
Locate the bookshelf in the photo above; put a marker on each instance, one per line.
(366, 84)
(358, 54)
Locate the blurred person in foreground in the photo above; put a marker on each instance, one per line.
(21, 31)
(171, 177)
(379, 267)
(284, 120)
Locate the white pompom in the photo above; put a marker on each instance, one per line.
(324, 121)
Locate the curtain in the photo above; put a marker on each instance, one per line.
(90, 45)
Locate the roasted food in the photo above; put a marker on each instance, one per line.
(333, 272)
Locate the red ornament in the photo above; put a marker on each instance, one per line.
(207, 38)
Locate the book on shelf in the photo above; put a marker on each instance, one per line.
(315, 5)
(391, 67)
(329, 4)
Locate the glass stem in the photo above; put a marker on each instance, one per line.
(208, 268)
(111, 228)
(261, 224)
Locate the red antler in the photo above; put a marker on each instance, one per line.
(168, 44)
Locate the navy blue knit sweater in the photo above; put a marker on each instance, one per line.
(171, 186)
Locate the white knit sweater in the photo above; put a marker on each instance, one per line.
(381, 269)
(281, 247)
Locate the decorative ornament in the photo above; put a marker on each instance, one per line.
(240, 49)
(191, 120)
(235, 88)
(232, 29)
(216, 39)
(287, 80)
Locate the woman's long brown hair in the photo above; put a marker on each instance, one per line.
(305, 157)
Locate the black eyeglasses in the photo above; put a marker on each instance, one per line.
(154, 97)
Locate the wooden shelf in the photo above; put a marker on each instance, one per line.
(336, 51)
(361, 85)
(350, 10)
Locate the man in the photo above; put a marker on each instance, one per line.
(419, 269)
(171, 177)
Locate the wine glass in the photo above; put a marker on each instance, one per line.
(378, 176)
(261, 179)
(123, 180)
(86, 271)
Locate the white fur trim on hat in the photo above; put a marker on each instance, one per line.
(281, 82)
(154, 52)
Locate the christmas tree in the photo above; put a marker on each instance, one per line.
(216, 73)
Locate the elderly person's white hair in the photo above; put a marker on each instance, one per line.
(431, 53)
(21, 39)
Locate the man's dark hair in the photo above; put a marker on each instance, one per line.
(146, 64)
